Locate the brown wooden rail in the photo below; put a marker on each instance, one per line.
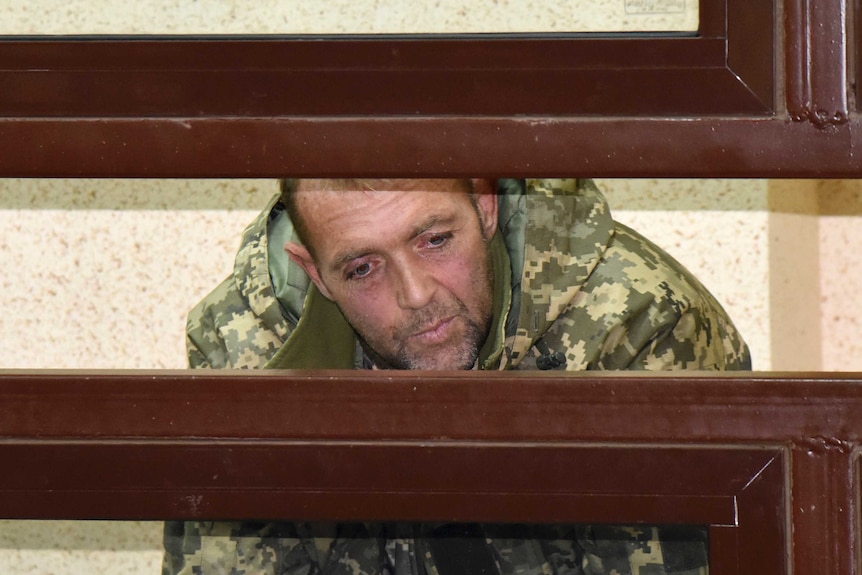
(769, 461)
(766, 88)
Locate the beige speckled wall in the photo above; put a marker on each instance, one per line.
(840, 231)
(99, 281)
(93, 276)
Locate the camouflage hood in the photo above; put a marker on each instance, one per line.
(570, 282)
(279, 292)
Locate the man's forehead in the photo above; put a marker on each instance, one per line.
(383, 185)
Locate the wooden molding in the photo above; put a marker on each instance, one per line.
(817, 61)
(769, 461)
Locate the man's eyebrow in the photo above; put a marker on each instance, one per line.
(432, 221)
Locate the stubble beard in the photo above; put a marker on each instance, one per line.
(458, 355)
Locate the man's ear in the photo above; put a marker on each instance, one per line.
(486, 202)
(302, 257)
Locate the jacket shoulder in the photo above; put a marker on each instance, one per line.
(222, 331)
(641, 309)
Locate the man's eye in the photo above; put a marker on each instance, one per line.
(359, 271)
(438, 240)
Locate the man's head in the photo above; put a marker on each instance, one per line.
(407, 262)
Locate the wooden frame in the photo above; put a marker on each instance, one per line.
(770, 96)
(726, 69)
(228, 108)
(763, 91)
(770, 461)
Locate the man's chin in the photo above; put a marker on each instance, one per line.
(455, 360)
(458, 352)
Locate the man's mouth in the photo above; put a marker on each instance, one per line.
(435, 333)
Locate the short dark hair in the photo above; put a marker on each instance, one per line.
(288, 200)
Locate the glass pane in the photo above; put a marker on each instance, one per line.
(40, 17)
(81, 547)
(102, 254)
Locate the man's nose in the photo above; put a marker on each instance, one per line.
(415, 286)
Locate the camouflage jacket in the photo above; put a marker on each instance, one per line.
(569, 280)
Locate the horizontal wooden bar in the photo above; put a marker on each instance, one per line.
(442, 481)
(404, 446)
(565, 74)
(423, 147)
(344, 53)
(182, 93)
(765, 459)
(818, 412)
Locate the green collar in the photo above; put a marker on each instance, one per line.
(323, 339)
(492, 350)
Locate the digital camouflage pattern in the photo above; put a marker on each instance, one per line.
(248, 548)
(240, 324)
(609, 298)
(577, 284)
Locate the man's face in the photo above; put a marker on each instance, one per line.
(408, 265)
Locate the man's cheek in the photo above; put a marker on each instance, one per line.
(375, 323)
(458, 277)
